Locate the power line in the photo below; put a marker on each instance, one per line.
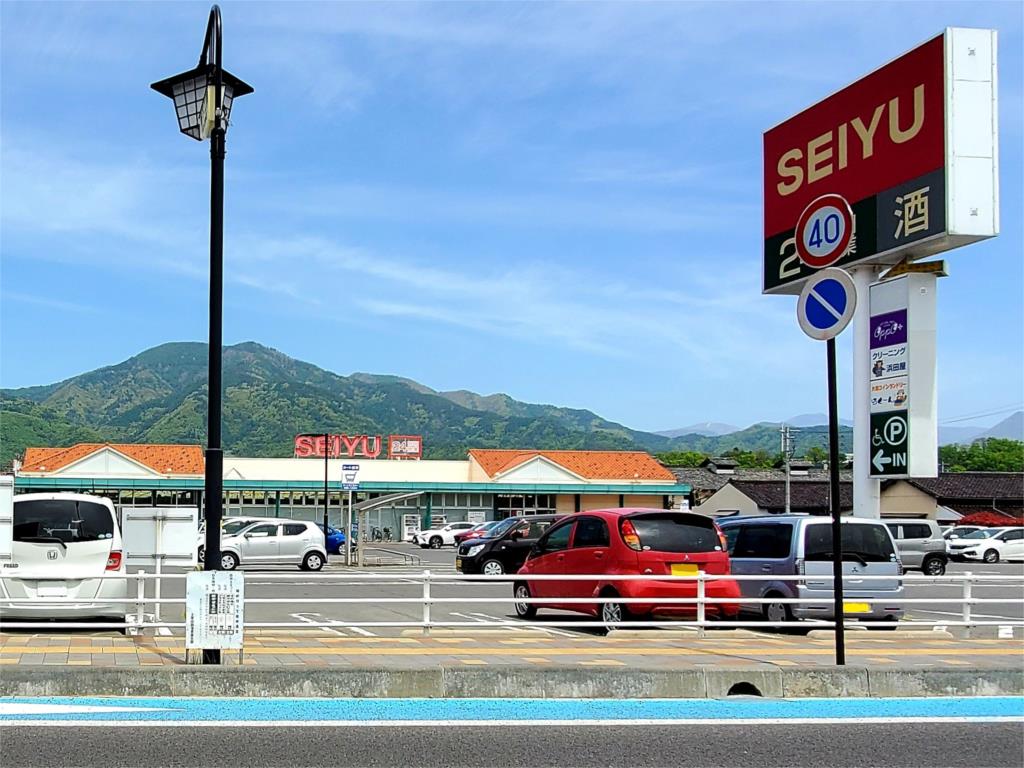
(983, 414)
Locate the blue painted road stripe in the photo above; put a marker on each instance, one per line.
(168, 711)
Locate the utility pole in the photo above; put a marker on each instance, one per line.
(787, 455)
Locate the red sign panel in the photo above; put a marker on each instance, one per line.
(874, 142)
(338, 446)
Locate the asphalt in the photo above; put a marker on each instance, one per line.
(970, 745)
(301, 599)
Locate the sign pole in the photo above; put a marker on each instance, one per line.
(835, 504)
(348, 532)
(327, 493)
(866, 490)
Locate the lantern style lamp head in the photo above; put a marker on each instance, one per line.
(195, 100)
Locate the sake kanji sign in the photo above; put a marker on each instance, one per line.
(912, 147)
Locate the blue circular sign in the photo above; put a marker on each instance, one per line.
(826, 304)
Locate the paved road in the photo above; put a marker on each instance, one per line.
(821, 746)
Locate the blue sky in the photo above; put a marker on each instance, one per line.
(557, 201)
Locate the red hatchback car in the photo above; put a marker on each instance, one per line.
(605, 542)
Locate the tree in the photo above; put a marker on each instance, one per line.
(681, 458)
(816, 455)
(991, 455)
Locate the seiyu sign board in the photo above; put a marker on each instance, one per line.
(904, 427)
(913, 149)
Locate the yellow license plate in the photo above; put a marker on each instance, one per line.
(684, 569)
(458, 563)
(856, 608)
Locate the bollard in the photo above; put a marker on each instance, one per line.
(967, 598)
(426, 603)
(701, 610)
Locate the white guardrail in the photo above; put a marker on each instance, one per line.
(426, 582)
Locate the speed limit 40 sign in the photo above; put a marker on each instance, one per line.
(823, 231)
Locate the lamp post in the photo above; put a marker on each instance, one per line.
(202, 102)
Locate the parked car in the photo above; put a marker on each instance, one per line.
(442, 536)
(505, 547)
(958, 531)
(620, 542)
(277, 542)
(335, 539)
(228, 527)
(1002, 544)
(802, 545)
(957, 546)
(477, 531)
(61, 542)
(920, 545)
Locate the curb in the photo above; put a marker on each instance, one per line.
(510, 682)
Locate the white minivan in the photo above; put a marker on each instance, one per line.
(61, 542)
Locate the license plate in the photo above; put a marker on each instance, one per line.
(51, 589)
(684, 569)
(458, 563)
(856, 608)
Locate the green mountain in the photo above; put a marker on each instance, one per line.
(160, 396)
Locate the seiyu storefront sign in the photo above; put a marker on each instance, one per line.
(904, 430)
(911, 148)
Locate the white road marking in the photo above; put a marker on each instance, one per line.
(1005, 632)
(303, 618)
(746, 721)
(165, 631)
(960, 614)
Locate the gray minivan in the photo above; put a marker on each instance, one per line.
(802, 545)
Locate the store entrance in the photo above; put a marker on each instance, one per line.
(515, 505)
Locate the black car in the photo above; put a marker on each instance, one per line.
(505, 548)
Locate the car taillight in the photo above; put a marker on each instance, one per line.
(721, 538)
(114, 560)
(629, 536)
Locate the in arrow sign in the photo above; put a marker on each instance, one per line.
(881, 460)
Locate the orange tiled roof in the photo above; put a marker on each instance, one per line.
(163, 459)
(592, 465)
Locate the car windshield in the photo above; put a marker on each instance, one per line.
(63, 520)
(865, 543)
(675, 532)
(502, 527)
(982, 534)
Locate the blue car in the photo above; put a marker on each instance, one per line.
(335, 539)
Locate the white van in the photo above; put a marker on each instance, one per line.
(61, 542)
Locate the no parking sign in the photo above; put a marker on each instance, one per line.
(826, 304)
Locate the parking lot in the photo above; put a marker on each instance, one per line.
(301, 599)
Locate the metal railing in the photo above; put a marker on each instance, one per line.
(703, 609)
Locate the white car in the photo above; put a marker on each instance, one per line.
(1003, 544)
(275, 541)
(229, 526)
(435, 538)
(61, 543)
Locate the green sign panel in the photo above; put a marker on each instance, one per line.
(889, 444)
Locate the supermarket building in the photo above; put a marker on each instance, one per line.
(487, 485)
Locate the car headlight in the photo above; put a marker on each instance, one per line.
(475, 550)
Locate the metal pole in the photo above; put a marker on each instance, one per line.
(327, 497)
(866, 491)
(835, 504)
(348, 532)
(214, 480)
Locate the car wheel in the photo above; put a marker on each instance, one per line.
(313, 561)
(436, 542)
(934, 566)
(228, 561)
(202, 555)
(524, 610)
(613, 615)
(777, 612)
(991, 556)
(493, 568)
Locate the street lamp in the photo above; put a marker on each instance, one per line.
(202, 102)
